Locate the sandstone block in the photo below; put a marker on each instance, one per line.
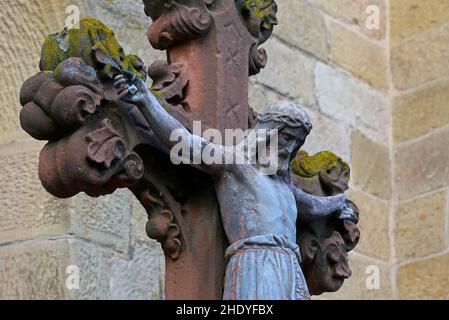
(371, 170)
(142, 276)
(411, 17)
(289, 72)
(420, 226)
(363, 58)
(358, 13)
(351, 101)
(421, 58)
(424, 280)
(303, 26)
(27, 210)
(421, 111)
(373, 224)
(421, 166)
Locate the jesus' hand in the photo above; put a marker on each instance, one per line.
(131, 88)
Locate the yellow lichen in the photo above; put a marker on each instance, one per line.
(262, 9)
(95, 44)
(309, 166)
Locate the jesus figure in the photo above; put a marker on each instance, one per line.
(258, 211)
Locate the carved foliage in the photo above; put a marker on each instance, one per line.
(325, 243)
(105, 145)
(257, 60)
(169, 81)
(73, 105)
(92, 134)
(56, 103)
(177, 20)
(161, 224)
(96, 45)
(259, 17)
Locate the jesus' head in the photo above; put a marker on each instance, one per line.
(292, 125)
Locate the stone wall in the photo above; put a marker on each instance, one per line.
(40, 236)
(420, 133)
(324, 57)
(377, 98)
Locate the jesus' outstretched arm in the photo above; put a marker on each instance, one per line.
(168, 130)
(313, 207)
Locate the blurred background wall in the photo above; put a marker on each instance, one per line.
(377, 90)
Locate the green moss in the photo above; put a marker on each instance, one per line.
(260, 8)
(160, 97)
(308, 166)
(94, 43)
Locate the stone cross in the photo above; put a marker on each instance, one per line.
(99, 143)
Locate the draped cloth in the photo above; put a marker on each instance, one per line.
(265, 267)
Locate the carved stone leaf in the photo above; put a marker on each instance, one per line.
(168, 80)
(161, 225)
(105, 145)
(257, 60)
(74, 106)
(176, 20)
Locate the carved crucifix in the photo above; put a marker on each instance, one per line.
(99, 142)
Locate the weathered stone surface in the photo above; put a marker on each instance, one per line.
(289, 72)
(422, 166)
(411, 17)
(27, 210)
(94, 270)
(371, 170)
(359, 286)
(363, 58)
(106, 220)
(420, 226)
(420, 59)
(349, 100)
(374, 225)
(260, 97)
(420, 111)
(328, 134)
(142, 276)
(139, 220)
(303, 26)
(427, 279)
(37, 270)
(355, 12)
(25, 23)
(34, 271)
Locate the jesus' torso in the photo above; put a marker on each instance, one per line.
(254, 204)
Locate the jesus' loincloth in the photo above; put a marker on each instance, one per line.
(265, 267)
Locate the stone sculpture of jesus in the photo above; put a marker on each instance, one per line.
(258, 211)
